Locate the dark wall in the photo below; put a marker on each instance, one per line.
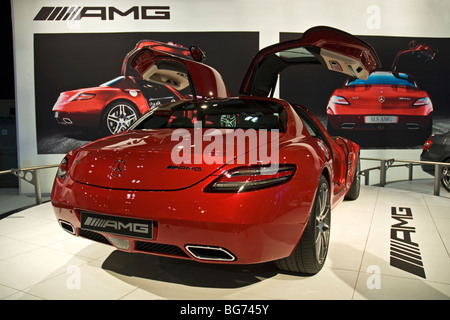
(7, 86)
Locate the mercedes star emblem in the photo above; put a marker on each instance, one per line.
(381, 99)
(118, 168)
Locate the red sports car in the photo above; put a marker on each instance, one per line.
(220, 179)
(387, 101)
(387, 109)
(113, 106)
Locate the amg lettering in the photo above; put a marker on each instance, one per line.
(404, 253)
(171, 167)
(102, 13)
(116, 225)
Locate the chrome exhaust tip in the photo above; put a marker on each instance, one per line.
(67, 226)
(348, 126)
(210, 253)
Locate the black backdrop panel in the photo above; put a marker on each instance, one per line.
(312, 86)
(80, 60)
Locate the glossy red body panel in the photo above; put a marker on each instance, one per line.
(88, 112)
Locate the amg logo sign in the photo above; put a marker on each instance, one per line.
(405, 253)
(117, 225)
(103, 13)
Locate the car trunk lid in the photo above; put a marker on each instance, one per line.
(155, 159)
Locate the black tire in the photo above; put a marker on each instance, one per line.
(445, 180)
(353, 192)
(310, 254)
(118, 116)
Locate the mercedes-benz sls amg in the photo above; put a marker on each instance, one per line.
(220, 179)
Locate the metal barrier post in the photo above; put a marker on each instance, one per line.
(410, 173)
(365, 173)
(31, 175)
(437, 179)
(37, 186)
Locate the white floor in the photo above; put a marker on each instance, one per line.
(38, 260)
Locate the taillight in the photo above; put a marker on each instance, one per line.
(428, 143)
(62, 169)
(422, 102)
(252, 178)
(81, 96)
(339, 100)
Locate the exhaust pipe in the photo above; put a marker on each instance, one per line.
(210, 253)
(67, 226)
(413, 126)
(348, 126)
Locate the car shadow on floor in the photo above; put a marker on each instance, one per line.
(186, 272)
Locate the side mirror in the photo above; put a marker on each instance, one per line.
(197, 53)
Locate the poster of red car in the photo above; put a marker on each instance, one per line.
(387, 102)
(397, 107)
(83, 91)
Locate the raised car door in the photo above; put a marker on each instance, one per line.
(177, 67)
(421, 51)
(336, 50)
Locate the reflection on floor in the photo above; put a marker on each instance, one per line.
(38, 260)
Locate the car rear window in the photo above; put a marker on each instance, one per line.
(399, 79)
(229, 113)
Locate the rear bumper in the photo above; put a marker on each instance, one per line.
(406, 131)
(84, 119)
(245, 228)
(357, 122)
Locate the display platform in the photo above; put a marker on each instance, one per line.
(388, 244)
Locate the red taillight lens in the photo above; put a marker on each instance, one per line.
(422, 102)
(428, 143)
(62, 169)
(339, 100)
(252, 178)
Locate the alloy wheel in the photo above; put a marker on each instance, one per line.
(120, 117)
(446, 178)
(322, 223)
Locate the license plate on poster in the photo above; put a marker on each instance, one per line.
(380, 119)
(124, 226)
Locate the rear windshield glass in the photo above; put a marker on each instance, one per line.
(233, 113)
(399, 79)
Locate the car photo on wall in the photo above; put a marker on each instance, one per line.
(131, 191)
(113, 106)
(387, 109)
